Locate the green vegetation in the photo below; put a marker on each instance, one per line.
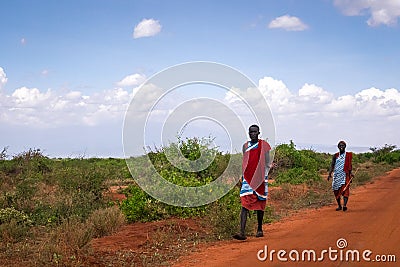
(50, 209)
(57, 203)
(298, 166)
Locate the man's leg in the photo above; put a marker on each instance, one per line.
(339, 205)
(337, 196)
(243, 219)
(345, 199)
(260, 217)
(346, 194)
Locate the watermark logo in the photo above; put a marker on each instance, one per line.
(341, 243)
(197, 97)
(330, 254)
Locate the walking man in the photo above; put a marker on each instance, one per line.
(254, 190)
(341, 167)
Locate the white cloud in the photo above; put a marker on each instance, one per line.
(370, 102)
(380, 11)
(23, 41)
(288, 23)
(313, 115)
(132, 80)
(147, 28)
(3, 78)
(25, 97)
(275, 91)
(73, 95)
(31, 107)
(315, 94)
(309, 115)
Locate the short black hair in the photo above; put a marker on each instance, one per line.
(255, 125)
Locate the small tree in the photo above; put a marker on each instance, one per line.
(387, 153)
(3, 153)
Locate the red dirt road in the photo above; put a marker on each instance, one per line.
(372, 223)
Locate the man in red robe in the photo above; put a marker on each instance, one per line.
(341, 166)
(254, 189)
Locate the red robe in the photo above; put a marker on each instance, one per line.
(253, 166)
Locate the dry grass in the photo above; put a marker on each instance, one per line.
(169, 242)
(64, 245)
(106, 221)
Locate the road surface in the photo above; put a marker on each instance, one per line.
(367, 234)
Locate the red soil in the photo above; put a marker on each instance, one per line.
(372, 222)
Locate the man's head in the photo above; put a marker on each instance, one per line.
(254, 131)
(342, 146)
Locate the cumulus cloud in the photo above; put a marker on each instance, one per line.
(310, 114)
(288, 23)
(275, 91)
(368, 102)
(314, 115)
(315, 94)
(3, 78)
(25, 97)
(147, 28)
(32, 107)
(379, 11)
(132, 80)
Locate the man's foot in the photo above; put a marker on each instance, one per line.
(259, 233)
(239, 237)
(344, 208)
(339, 208)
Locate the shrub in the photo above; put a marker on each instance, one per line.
(297, 166)
(8, 214)
(387, 153)
(3, 153)
(73, 233)
(14, 225)
(139, 206)
(297, 175)
(106, 221)
(222, 217)
(32, 161)
(197, 153)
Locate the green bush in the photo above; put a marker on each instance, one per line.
(387, 153)
(51, 190)
(139, 206)
(222, 217)
(8, 214)
(297, 166)
(191, 149)
(297, 175)
(14, 225)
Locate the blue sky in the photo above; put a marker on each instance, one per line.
(329, 69)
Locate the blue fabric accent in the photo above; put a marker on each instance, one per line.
(339, 176)
(251, 146)
(247, 190)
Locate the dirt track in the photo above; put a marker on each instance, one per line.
(372, 222)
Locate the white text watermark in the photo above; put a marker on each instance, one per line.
(338, 253)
